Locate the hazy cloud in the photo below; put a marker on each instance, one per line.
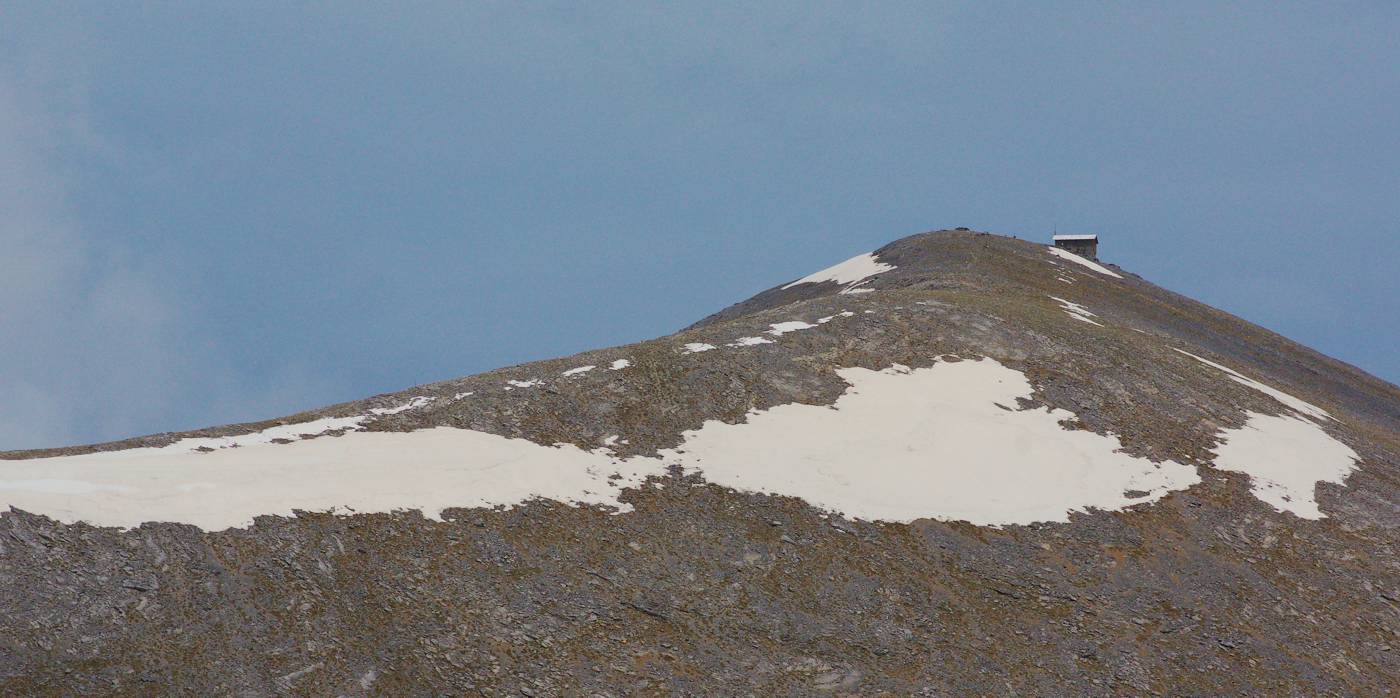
(92, 346)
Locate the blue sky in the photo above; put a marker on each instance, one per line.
(220, 213)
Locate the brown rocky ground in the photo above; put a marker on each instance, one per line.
(707, 591)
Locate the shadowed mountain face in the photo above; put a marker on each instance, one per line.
(961, 464)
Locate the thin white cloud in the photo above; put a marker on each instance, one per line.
(74, 334)
(91, 345)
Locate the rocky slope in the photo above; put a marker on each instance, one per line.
(1213, 509)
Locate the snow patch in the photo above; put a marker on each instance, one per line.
(899, 444)
(829, 318)
(284, 432)
(904, 444)
(620, 364)
(749, 342)
(427, 470)
(1076, 311)
(577, 371)
(459, 396)
(61, 487)
(1083, 262)
(413, 404)
(851, 271)
(782, 328)
(697, 347)
(1285, 457)
(525, 384)
(1289, 401)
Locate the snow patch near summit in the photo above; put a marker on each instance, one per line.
(1083, 262)
(851, 271)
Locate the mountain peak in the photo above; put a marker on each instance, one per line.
(939, 259)
(955, 436)
(1108, 352)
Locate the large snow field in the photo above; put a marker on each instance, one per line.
(936, 442)
(899, 444)
(941, 442)
(429, 470)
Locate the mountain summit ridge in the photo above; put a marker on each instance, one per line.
(936, 261)
(845, 483)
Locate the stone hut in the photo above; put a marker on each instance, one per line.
(1086, 246)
